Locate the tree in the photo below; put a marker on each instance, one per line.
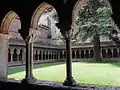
(94, 19)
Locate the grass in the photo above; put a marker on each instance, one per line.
(107, 74)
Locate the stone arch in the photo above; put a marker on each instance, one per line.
(46, 54)
(21, 55)
(38, 12)
(79, 4)
(36, 55)
(73, 54)
(115, 53)
(65, 53)
(75, 11)
(77, 54)
(82, 54)
(7, 20)
(61, 54)
(109, 53)
(87, 54)
(15, 54)
(9, 55)
(40, 54)
(91, 53)
(104, 53)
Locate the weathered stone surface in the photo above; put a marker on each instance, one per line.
(3, 57)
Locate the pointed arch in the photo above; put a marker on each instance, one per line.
(38, 12)
(5, 25)
(79, 4)
(76, 9)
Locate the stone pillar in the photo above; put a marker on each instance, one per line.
(41, 54)
(11, 51)
(29, 78)
(69, 79)
(34, 52)
(112, 52)
(24, 55)
(75, 54)
(18, 52)
(37, 55)
(63, 54)
(45, 55)
(3, 56)
(58, 55)
(48, 54)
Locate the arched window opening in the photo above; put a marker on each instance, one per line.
(109, 53)
(115, 53)
(87, 54)
(73, 54)
(43, 55)
(65, 54)
(82, 54)
(9, 55)
(21, 55)
(61, 55)
(40, 55)
(91, 53)
(77, 54)
(46, 54)
(36, 55)
(15, 55)
(104, 53)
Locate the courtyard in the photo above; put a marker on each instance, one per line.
(95, 73)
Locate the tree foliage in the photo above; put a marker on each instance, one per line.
(94, 18)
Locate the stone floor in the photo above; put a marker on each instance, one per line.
(12, 84)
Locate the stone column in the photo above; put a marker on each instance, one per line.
(18, 52)
(37, 55)
(34, 52)
(29, 78)
(58, 55)
(3, 56)
(75, 54)
(63, 54)
(48, 54)
(69, 79)
(11, 55)
(24, 55)
(112, 52)
(45, 55)
(41, 54)
(30, 39)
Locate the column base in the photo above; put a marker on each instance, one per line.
(71, 82)
(3, 79)
(30, 80)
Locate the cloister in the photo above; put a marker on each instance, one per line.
(16, 55)
(28, 49)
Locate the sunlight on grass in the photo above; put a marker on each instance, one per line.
(86, 73)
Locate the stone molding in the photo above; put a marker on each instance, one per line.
(5, 36)
(33, 35)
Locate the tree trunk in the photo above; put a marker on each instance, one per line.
(96, 43)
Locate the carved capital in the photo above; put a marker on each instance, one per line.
(33, 36)
(6, 36)
(70, 34)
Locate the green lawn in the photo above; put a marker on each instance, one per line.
(83, 72)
